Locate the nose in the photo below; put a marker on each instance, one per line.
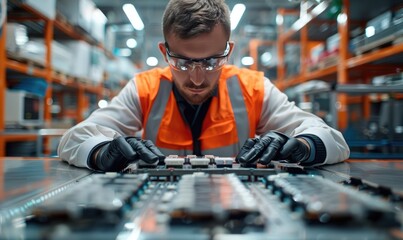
(197, 75)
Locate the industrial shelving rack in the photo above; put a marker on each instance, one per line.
(50, 29)
(348, 68)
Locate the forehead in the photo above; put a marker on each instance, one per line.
(200, 46)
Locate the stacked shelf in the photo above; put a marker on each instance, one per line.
(312, 27)
(347, 65)
(59, 84)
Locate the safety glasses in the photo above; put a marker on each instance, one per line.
(210, 64)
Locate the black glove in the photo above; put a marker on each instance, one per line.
(117, 154)
(272, 146)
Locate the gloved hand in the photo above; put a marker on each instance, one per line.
(120, 152)
(272, 146)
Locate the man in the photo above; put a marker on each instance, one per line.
(199, 105)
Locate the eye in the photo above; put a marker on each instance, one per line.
(209, 68)
(181, 64)
(182, 68)
(210, 64)
(185, 65)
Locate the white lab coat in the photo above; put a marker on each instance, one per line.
(123, 118)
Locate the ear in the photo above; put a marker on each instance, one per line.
(231, 47)
(163, 50)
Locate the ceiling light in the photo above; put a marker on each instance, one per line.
(265, 58)
(102, 103)
(131, 43)
(236, 14)
(279, 19)
(133, 16)
(247, 61)
(152, 61)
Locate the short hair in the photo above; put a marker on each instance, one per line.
(189, 18)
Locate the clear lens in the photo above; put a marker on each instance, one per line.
(212, 64)
(207, 64)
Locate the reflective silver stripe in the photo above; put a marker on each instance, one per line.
(157, 110)
(239, 109)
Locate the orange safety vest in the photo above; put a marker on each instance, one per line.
(231, 118)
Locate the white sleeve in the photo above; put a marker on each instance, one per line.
(122, 117)
(282, 115)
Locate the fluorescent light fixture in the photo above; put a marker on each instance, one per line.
(152, 61)
(305, 18)
(133, 16)
(131, 43)
(236, 14)
(99, 16)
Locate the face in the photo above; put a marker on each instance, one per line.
(196, 62)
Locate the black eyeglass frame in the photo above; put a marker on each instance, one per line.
(197, 60)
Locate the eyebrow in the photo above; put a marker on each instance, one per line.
(226, 52)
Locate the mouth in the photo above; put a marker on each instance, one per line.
(196, 90)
